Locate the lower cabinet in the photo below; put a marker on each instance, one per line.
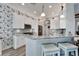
(76, 38)
(0, 47)
(18, 41)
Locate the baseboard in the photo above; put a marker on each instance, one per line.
(6, 48)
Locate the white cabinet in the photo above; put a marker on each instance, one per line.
(55, 23)
(62, 23)
(0, 47)
(18, 41)
(18, 21)
(76, 38)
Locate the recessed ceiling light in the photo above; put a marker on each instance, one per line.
(50, 6)
(34, 12)
(22, 3)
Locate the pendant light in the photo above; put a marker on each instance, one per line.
(62, 16)
(43, 14)
(22, 3)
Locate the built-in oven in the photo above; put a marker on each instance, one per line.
(27, 26)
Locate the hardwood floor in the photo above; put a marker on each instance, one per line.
(12, 52)
(18, 52)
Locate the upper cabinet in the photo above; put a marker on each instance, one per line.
(62, 23)
(55, 23)
(18, 21)
(58, 23)
(28, 21)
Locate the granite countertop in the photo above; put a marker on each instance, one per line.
(40, 37)
(44, 37)
(19, 34)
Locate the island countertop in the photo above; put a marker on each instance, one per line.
(33, 44)
(47, 37)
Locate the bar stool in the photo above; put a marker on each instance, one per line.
(50, 50)
(68, 49)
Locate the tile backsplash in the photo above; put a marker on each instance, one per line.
(6, 24)
(6, 21)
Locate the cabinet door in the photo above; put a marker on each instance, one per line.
(0, 47)
(18, 41)
(55, 23)
(62, 23)
(18, 21)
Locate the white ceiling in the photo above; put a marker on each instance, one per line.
(31, 7)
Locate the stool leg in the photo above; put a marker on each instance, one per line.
(42, 53)
(58, 53)
(76, 51)
(66, 53)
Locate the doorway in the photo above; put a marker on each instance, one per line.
(40, 30)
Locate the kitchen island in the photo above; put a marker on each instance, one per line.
(33, 44)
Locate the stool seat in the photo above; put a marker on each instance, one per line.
(50, 47)
(68, 47)
(50, 50)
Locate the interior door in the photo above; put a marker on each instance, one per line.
(40, 30)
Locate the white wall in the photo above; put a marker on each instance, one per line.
(70, 19)
(76, 25)
(76, 7)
